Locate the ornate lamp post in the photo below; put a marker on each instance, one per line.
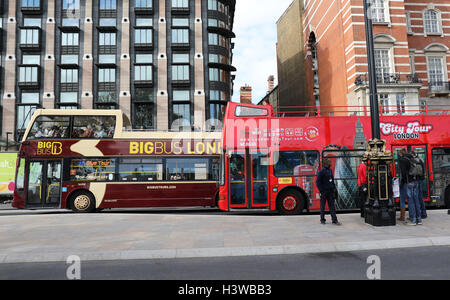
(380, 206)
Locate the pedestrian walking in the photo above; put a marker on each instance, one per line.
(411, 171)
(362, 187)
(403, 164)
(327, 188)
(421, 183)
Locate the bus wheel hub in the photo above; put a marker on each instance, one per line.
(82, 202)
(289, 203)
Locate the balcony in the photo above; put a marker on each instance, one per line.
(180, 10)
(389, 79)
(30, 38)
(439, 88)
(31, 7)
(143, 10)
(29, 76)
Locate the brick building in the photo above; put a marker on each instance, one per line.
(412, 41)
(156, 60)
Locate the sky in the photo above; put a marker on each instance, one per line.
(254, 54)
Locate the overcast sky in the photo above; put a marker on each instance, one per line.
(254, 55)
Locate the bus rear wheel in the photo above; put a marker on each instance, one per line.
(290, 202)
(82, 202)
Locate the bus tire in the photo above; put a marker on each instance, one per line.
(82, 202)
(290, 202)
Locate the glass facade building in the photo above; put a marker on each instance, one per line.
(167, 64)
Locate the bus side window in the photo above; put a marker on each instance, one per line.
(50, 127)
(93, 127)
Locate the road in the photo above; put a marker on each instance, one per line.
(428, 263)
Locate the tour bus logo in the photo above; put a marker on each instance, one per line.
(412, 130)
(311, 133)
(49, 148)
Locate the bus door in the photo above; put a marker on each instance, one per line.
(248, 177)
(44, 184)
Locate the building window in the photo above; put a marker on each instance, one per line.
(180, 36)
(71, 4)
(216, 114)
(144, 3)
(29, 37)
(69, 39)
(182, 95)
(180, 73)
(180, 3)
(400, 103)
(384, 102)
(68, 98)
(379, 11)
(143, 36)
(431, 22)
(216, 74)
(106, 75)
(28, 104)
(31, 4)
(108, 5)
(143, 115)
(382, 65)
(143, 73)
(183, 112)
(69, 75)
(29, 75)
(436, 72)
(31, 59)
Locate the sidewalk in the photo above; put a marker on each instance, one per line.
(48, 237)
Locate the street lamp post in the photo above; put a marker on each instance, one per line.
(380, 205)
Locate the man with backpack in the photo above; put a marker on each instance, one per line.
(411, 170)
(421, 180)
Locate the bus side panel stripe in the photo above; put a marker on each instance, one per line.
(99, 191)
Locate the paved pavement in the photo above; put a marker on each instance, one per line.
(54, 235)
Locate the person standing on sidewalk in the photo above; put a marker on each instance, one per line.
(421, 183)
(403, 164)
(412, 170)
(362, 186)
(327, 188)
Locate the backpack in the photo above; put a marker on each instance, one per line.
(415, 169)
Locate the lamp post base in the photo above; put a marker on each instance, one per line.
(380, 216)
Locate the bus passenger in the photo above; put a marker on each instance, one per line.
(327, 188)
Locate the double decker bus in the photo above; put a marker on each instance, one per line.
(271, 163)
(87, 160)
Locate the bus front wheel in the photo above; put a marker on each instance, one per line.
(290, 202)
(82, 202)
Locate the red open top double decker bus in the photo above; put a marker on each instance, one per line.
(85, 160)
(271, 162)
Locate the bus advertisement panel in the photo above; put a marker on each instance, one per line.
(7, 172)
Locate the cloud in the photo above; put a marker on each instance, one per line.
(254, 55)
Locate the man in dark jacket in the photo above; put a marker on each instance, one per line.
(412, 188)
(327, 188)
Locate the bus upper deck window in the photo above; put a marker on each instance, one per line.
(93, 127)
(243, 111)
(50, 127)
